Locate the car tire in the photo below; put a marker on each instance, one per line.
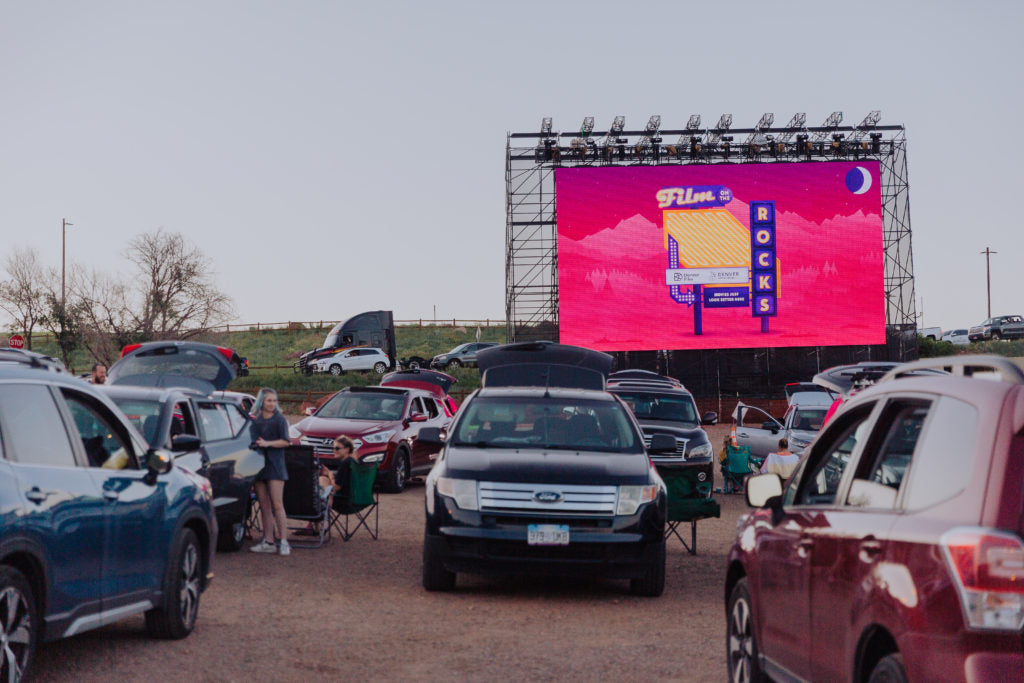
(232, 535)
(176, 618)
(336, 370)
(889, 670)
(435, 577)
(19, 623)
(652, 583)
(380, 368)
(454, 364)
(996, 336)
(399, 474)
(414, 365)
(740, 640)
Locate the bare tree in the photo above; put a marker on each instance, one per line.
(100, 303)
(23, 296)
(179, 298)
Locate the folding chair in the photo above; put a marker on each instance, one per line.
(688, 501)
(303, 499)
(361, 502)
(736, 468)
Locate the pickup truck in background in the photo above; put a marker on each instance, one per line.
(933, 333)
(999, 327)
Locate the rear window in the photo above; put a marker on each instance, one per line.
(172, 361)
(551, 424)
(145, 415)
(667, 407)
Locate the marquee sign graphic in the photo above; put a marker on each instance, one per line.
(719, 262)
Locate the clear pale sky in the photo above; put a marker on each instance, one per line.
(338, 157)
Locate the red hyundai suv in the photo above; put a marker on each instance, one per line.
(894, 551)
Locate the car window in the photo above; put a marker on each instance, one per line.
(431, 406)
(754, 417)
(214, 421)
(142, 413)
(878, 479)
(33, 431)
(648, 405)
(363, 406)
(943, 461)
(810, 419)
(417, 406)
(105, 442)
(238, 418)
(823, 472)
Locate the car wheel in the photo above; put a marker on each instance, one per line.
(395, 482)
(652, 583)
(454, 364)
(435, 576)
(997, 336)
(380, 368)
(740, 642)
(414, 365)
(336, 370)
(19, 627)
(177, 617)
(232, 535)
(889, 670)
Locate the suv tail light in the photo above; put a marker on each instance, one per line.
(988, 568)
(128, 349)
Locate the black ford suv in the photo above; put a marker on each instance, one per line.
(543, 471)
(663, 406)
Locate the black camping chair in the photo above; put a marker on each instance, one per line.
(303, 498)
(359, 501)
(688, 502)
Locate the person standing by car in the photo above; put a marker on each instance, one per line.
(99, 374)
(269, 433)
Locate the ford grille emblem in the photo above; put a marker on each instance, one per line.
(547, 496)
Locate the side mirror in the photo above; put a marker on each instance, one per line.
(431, 436)
(158, 461)
(186, 443)
(662, 443)
(418, 417)
(762, 488)
(709, 418)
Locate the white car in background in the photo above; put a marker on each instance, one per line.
(361, 359)
(956, 336)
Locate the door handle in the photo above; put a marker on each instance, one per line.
(111, 495)
(37, 495)
(804, 546)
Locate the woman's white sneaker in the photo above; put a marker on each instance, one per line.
(263, 546)
(284, 548)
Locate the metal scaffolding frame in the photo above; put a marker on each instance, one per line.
(531, 238)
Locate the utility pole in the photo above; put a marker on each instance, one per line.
(63, 262)
(988, 278)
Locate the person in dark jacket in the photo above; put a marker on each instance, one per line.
(269, 433)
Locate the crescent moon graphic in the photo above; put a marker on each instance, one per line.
(867, 180)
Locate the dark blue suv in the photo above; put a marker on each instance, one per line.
(95, 526)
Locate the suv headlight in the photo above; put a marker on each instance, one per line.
(462, 490)
(632, 497)
(379, 437)
(294, 433)
(702, 451)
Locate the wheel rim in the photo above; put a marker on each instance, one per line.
(189, 593)
(238, 531)
(414, 365)
(741, 642)
(400, 474)
(380, 368)
(15, 632)
(335, 370)
(454, 364)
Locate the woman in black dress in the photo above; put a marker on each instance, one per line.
(269, 432)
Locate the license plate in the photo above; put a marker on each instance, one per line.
(547, 534)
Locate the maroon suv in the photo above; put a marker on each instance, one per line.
(383, 423)
(894, 551)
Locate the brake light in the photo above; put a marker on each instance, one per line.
(988, 568)
(227, 353)
(128, 349)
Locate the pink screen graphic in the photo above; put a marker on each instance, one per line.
(617, 236)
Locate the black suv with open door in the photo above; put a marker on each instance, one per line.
(543, 471)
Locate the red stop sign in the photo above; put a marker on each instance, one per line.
(17, 341)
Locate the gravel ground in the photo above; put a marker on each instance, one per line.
(357, 610)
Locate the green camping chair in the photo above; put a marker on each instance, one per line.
(689, 500)
(736, 468)
(361, 502)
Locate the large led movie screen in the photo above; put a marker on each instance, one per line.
(720, 256)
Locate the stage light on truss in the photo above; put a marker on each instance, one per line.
(726, 144)
(545, 126)
(588, 126)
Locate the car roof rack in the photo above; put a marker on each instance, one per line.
(644, 384)
(962, 366)
(32, 359)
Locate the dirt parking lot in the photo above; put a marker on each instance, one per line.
(357, 610)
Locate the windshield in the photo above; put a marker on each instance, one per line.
(667, 407)
(145, 415)
(548, 423)
(360, 406)
(809, 419)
